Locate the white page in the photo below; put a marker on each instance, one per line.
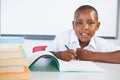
(82, 66)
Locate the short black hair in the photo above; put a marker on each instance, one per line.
(85, 7)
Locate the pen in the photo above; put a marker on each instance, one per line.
(68, 49)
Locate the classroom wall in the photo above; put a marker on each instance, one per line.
(31, 17)
(21, 8)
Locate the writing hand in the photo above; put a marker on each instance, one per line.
(74, 53)
(69, 55)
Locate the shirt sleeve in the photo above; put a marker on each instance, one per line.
(106, 46)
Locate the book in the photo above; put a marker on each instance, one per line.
(73, 65)
(10, 46)
(23, 75)
(8, 51)
(14, 62)
(13, 59)
(11, 40)
(12, 54)
(11, 69)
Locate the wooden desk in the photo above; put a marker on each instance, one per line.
(112, 72)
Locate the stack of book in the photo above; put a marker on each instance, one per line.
(13, 59)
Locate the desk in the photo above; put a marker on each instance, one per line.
(112, 72)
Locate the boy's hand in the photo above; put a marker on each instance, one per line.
(83, 54)
(68, 55)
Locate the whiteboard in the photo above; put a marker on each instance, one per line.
(50, 17)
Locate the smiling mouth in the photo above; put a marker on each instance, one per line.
(84, 35)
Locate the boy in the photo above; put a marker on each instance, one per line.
(81, 44)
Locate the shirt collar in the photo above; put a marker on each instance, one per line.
(74, 39)
(92, 43)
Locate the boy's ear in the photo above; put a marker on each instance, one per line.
(73, 24)
(98, 25)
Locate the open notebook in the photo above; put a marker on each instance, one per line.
(73, 65)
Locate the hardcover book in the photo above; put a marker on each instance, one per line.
(8, 51)
(23, 75)
(11, 39)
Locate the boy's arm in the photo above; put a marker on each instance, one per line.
(65, 55)
(110, 57)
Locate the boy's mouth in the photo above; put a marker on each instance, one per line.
(84, 35)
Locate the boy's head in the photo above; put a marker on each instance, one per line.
(85, 23)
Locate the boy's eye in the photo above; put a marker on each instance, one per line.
(79, 23)
(90, 23)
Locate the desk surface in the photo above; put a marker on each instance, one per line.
(112, 72)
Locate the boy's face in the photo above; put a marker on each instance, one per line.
(85, 25)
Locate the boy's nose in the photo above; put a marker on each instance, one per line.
(85, 27)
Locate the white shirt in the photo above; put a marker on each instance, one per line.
(70, 39)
